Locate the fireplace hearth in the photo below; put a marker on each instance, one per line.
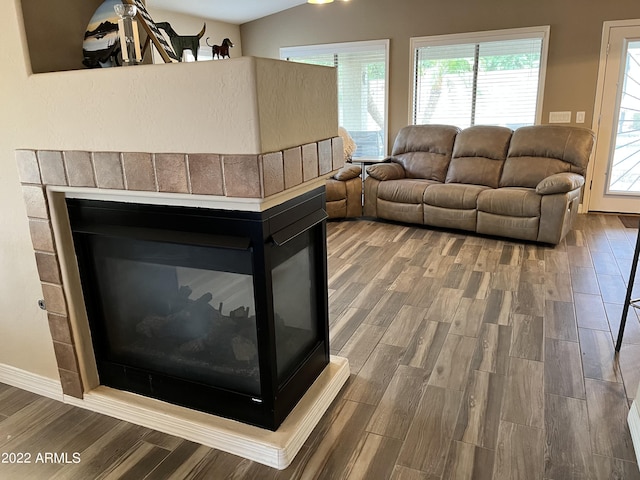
(215, 310)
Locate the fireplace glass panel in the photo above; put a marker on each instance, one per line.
(164, 315)
(294, 304)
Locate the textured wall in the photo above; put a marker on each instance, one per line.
(186, 108)
(576, 30)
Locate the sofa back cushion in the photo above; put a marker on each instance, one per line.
(539, 151)
(425, 150)
(479, 153)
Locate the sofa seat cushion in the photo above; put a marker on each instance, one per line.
(453, 195)
(511, 202)
(403, 191)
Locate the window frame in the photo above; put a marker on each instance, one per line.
(349, 47)
(541, 32)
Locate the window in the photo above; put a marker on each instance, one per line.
(362, 88)
(484, 78)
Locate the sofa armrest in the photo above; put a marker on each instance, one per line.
(347, 173)
(386, 171)
(559, 183)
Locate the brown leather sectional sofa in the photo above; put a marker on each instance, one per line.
(344, 193)
(524, 184)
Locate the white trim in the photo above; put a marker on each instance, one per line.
(541, 32)
(597, 110)
(275, 449)
(31, 382)
(331, 48)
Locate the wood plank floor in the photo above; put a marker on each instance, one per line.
(471, 357)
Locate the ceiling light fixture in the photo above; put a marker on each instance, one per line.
(318, 2)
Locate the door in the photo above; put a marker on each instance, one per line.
(616, 172)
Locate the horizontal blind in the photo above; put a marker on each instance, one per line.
(486, 82)
(362, 88)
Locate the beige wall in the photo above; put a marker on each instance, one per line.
(130, 109)
(576, 30)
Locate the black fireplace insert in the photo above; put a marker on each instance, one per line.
(216, 310)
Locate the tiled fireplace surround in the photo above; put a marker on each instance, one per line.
(165, 175)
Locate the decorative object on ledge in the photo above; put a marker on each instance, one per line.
(128, 33)
(166, 51)
(101, 45)
(181, 43)
(221, 51)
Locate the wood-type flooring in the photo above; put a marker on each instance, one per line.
(471, 358)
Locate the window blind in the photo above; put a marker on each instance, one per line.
(362, 88)
(491, 80)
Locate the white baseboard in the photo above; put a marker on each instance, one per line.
(275, 449)
(31, 382)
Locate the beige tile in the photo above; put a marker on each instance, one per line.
(139, 172)
(71, 383)
(519, 452)
(524, 393)
(560, 321)
(51, 167)
(309, 161)
(436, 414)
(452, 367)
(492, 349)
(79, 169)
(205, 174)
(563, 368)
(108, 170)
(397, 407)
(325, 160)
(241, 176)
(337, 152)
(66, 356)
(608, 411)
(59, 328)
(41, 235)
(479, 416)
(292, 167)
(171, 172)
(28, 168)
(527, 340)
(612, 468)
(468, 461)
(567, 443)
(48, 268)
(54, 298)
(598, 356)
(272, 173)
(34, 200)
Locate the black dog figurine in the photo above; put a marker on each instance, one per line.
(181, 43)
(221, 50)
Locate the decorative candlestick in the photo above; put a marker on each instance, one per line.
(128, 31)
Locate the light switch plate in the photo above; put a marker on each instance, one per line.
(559, 117)
(579, 117)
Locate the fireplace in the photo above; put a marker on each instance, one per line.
(215, 310)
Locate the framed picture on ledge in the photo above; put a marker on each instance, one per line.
(164, 48)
